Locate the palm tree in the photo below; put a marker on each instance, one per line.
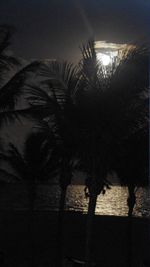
(12, 92)
(112, 110)
(7, 62)
(36, 163)
(132, 164)
(132, 168)
(56, 98)
(108, 108)
(13, 75)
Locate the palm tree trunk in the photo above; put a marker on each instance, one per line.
(129, 242)
(131, 203)
(32, 193)
(89, 228)
(92, 205)
(59, 245)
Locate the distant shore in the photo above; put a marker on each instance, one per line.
(23, 240)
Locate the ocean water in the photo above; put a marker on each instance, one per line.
(114, 202)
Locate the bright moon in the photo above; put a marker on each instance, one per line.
(105, 59)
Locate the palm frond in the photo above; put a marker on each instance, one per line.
(91, 69)
(10, 92)
(39, 98)
(61, 76)
(32, 113)
(7, 177)
(14, 158)
(7, 62)
(6, 32)
(39, 151)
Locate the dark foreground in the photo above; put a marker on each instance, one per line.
(25, 242)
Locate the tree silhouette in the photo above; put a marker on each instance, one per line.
(36, 163)
(112, 108)
(7, 62)
(132, 168)
(92, 113)
(56, 99)
(132, 164)
(13, 74)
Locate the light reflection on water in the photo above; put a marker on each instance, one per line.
(114, 202)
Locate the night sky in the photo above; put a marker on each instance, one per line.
(55, 28)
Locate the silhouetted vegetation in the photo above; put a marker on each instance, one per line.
(88, 117)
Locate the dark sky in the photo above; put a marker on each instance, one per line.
(56, 28)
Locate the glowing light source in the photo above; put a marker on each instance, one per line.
(107, 53)
(104, 59)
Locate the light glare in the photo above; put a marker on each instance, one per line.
(105, 59)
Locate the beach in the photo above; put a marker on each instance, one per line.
(30, 240)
